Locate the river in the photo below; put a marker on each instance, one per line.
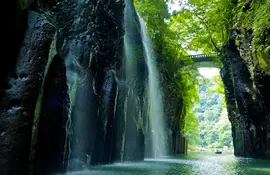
(195, 163)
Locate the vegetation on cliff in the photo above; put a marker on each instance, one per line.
(208, 25)
(179, 80)
(253, 19)
(205, 26)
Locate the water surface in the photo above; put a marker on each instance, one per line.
(192, 164)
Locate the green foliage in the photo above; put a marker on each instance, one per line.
(261, 26)
(255, 17)
(205, 25)
(218, 87)
(214, 126)
(179, 82)
(188, 89)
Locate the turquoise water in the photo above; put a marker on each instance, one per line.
(192, 164)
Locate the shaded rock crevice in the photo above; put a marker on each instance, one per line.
(53, 120)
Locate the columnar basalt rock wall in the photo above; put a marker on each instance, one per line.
(135, 76)
(69, 103)
(19, 101)
(177, 141)
(50, 141)
(246, 79)
(247, 104)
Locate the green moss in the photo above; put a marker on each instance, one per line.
(261, 23)
(36, 124)
(263, 62)
(38, 108)
(40, 97)
(257, 20)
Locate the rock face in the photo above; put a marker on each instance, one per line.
(178, 140)
(246, 79)
(102, 149)
(134, 84)
(52, 121)
(19, 101)
(72, 100)
(246, 103)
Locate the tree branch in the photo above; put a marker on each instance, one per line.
(209, 32)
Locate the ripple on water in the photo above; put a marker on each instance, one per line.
(195, 164)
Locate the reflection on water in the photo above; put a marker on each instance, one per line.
(192, 164)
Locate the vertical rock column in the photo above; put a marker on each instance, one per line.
(103, 148)
(19, 102)
(253, 58)
(130, 136)
(245, 113)
(90, 40)
(263, 84)
(109, 44)
(119, 124)
(233, 114)
(51, 152)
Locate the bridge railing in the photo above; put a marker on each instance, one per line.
(203, 55)
(200, 58)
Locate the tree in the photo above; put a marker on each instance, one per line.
(205, 25)
(214, 126)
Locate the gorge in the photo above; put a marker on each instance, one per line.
(97, 82)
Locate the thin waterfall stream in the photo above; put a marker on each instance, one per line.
(154, 96)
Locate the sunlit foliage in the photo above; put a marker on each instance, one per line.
(205, 25)
(215, 128)
(188, 89)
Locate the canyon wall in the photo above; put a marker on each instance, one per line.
(246, 78)
(67, 97)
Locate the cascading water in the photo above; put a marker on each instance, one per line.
(134, 69)
(86, 137)
(154, 96)
(82, 116)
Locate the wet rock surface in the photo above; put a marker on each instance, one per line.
(51, 149)
(89, 41)
(246, 105)
(19, 101)
(102, 149)
(93, 108)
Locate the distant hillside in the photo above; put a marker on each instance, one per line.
(214, 126)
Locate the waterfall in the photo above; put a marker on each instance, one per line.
(154, 96)
(134, 73)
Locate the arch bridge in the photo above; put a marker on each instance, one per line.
(205, 60)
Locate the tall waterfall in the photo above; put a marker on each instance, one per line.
(154, 97)
(134, 73)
